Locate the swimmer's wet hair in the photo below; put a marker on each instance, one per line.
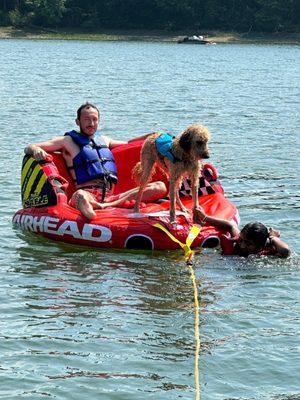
(87, 106)
(257, 233)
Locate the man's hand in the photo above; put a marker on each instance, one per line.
(37, 153)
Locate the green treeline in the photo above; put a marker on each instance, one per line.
(198, 15)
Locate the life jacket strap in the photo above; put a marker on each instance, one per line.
(104, 187)
(87, 162)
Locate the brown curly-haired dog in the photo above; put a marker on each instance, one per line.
(188, 149)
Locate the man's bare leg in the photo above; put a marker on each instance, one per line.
(153, 191)
(82, 201)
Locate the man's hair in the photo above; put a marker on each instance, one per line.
(257, 233)
(87, 106)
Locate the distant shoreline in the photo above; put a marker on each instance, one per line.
(147, 36)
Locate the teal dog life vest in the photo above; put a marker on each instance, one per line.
(163, 145)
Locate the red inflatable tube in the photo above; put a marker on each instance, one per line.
(113, 227)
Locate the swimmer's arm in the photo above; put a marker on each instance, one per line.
(223, 224)
(39, 151)
(281, 248)
(219, 223)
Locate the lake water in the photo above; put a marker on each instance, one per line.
(83, 324)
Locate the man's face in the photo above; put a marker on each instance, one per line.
(89, 121)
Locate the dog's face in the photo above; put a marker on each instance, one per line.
(200, 149)
(194, 141)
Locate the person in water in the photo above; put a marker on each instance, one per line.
(254, 238)
(91, 164)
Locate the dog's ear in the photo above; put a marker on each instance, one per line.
(185, 140)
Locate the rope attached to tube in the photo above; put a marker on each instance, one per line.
(189, 253)
(197, 333)
(193, 233)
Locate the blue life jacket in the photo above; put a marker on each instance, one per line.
(163, 145)
(94, 160)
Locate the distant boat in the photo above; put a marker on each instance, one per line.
(195, 40)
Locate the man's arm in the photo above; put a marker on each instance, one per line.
(112, 143)
(39, 151)
(142, 137)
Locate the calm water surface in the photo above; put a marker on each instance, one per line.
(84, 324)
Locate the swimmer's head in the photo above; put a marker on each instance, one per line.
(253, 238)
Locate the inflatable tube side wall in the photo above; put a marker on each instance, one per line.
(41, 184)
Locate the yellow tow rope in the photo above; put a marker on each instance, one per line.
(197, 333)
(188, 252)
(193, 233)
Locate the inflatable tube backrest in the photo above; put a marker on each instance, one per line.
(126, 156)
(208, 183)
(41, 184)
